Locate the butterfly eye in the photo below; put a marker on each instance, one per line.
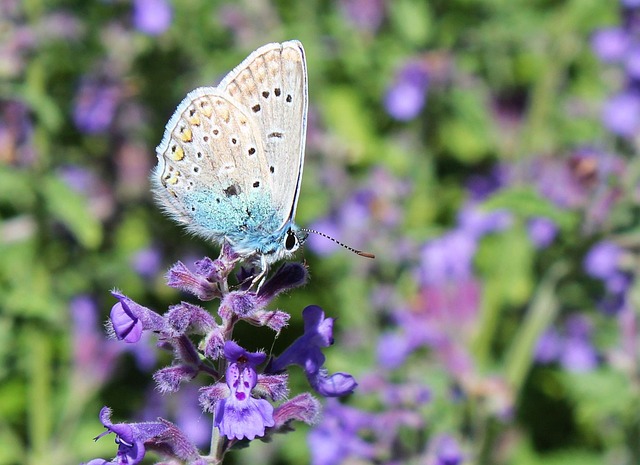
(291, 241)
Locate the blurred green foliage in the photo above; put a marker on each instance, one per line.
(59, 241)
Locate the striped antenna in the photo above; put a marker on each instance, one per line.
(358, 252)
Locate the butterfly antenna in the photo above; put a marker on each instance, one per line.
(356, 251)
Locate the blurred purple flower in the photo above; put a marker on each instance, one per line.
(184, 408)
(336, 438)
(477, 222)
(573, 349)
(152, 17)
(321, 245)
(611, 44)
(79, 178)
(147, 262)
(447, 258)
(406, 97)
(621, 114)
(632, 62)
(578, 355)
(445, 451)
(542, 231)
(16, 132)
(366, 15)
(95, 105)
(393, 349)
(548, 346)
(480, 187)
(602, 260)
(94, 357)
(240, 415)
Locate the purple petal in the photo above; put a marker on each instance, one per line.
(336, 385)
(126, 326)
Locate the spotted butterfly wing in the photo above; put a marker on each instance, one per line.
(272, 83)
(230, 162)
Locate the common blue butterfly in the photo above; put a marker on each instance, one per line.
(230, 162)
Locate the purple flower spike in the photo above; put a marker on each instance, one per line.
(131, 437)
(196, 283)
(240, 303)
(129, 319)
(304, 408)
(168, 379)
(188, 317)
(240, 415)
(305, 352)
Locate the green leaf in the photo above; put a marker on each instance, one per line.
(16, 188)
(71, 209)
(526, 203)
(467, 133)
(412, 20)
(346, 115)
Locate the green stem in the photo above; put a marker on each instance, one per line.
(39, 412)
(541, 312)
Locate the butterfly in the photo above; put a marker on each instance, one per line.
(231, 159)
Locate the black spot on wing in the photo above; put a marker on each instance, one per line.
(232, 190)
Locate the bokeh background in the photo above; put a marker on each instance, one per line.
(484, 150)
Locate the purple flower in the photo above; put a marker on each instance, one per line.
(602, 260)
(95, 105)
(621, 114)
(548, 347)
(477, 222)
(336, 437)
(305, 352)
(393, 349)
(406, 97)
(152, 17)
(133, 439)
(366, 15)
(146, 262)
(198, 283)
(578, 355)
(128, 319)
(240, 415)
(573, 350)
(303, 407)
(542, 231)
(632, 62)
(610, 45)
(447, 258)
(446, 451)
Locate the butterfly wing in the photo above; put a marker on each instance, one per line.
(212, 172)
(271, 85)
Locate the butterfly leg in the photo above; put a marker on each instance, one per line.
(261, 277)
